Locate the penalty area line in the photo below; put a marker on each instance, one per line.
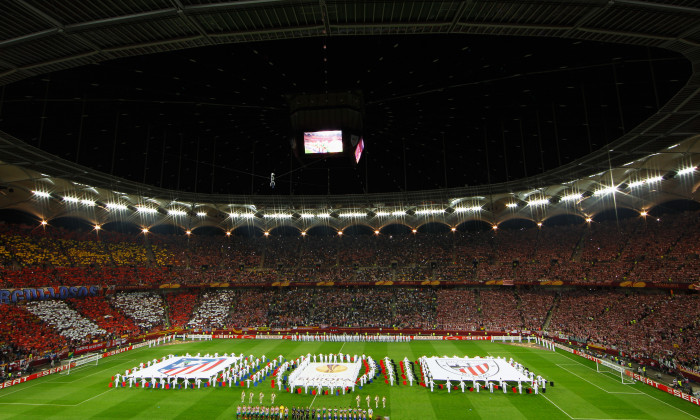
(560, 409)
(92, 398)
(664, 402)
(602, 389)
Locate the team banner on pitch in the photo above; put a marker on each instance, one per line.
(472, 369)
(336, 375)
(186, 367)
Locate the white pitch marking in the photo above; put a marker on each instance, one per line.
(560, 409)
(682, 411)
(38, 404)
(602, 389)
(91, 398)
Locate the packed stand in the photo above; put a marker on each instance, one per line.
(24, 333)
(144, 308)
(212, 310)
(98, 310)
(457, 309)
(180, 306)
(66, 320)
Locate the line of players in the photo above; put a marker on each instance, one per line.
(264, 412)
(303, 413)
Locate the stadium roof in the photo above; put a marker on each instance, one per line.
(468, 104)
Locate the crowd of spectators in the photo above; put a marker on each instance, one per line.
(644, 249)
(249, 308)
(97, 309)
(180, 306)
(24, 334)
(498, 310)
(213, 310)
(647, 324)
(457, 309)
(638, 249)
(66, 321)
(534, 307)
(146, 309)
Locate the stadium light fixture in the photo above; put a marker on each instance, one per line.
(89, 203)
(430, 211)
(512, 205)
(44, 223)
(572, 197)
(307, 216)
(115, 206)
(71, 200)
(176, 212)
(340, 233)
(247, 215)
(606, 190)
(468, 209)
(643, 213)
(539, 224)
(146, 210)
(279, 215)
(383, 213)
(414, 230)
(228, 233)
(144, 230)
(453, 229)
(97, 227)
(233, 215)
(376, 232)
(42, 194)
(188, 232)
(636, 184)
(494, 227)
(352, 214)
(303, 233)
(202, 214)
(654, 179)
(398, 213)
(589, 220)
(266, 233)
(687, 171)
(538, 202)
(324, 216)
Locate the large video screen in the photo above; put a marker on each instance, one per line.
(316, 142)
(358, 150)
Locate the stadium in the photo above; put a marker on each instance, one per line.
(350, 209)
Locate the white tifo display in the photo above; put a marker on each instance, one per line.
(185, 368)
(472, 369)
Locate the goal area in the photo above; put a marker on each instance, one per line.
(87, 360)
(603, 366)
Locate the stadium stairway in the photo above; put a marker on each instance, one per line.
(557, 297)
(578, 249)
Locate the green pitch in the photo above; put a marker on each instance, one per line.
(579, 392)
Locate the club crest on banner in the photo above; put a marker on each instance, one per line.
(470, 369)
(332, 368)
(188, 365)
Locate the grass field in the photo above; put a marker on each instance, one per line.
(579, 392)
